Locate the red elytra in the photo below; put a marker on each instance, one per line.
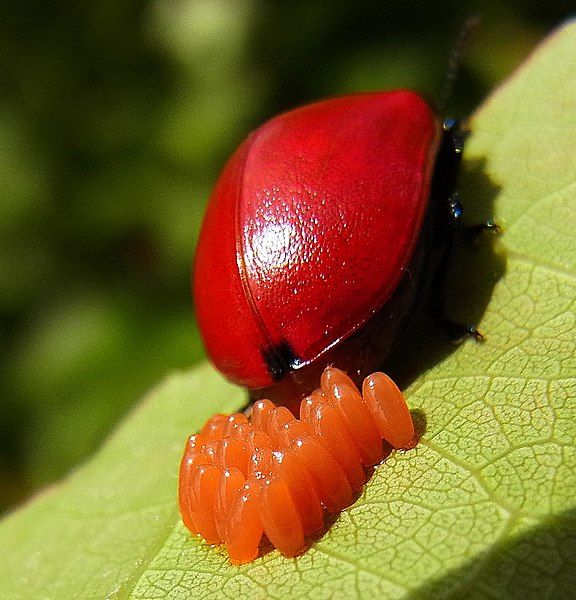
(312, 225)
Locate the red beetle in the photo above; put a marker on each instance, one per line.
(325, 230)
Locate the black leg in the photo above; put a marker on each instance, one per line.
(472, 233)
(443, 190)
(458, 332)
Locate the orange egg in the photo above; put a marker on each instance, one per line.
(358, 421)
(229, 488)
(203, 499)
(388, 407)
(234, 420)
(329, 480)
(214, 427)
(327, 423)
(231, 453)
(244, 528)
(276, 420)
(287, 466)
(260, 411)
(281, 520)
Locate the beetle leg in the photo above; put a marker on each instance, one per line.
(458, 332)
(472, 233)
(469, 232)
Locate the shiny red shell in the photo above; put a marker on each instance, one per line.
(310, 228)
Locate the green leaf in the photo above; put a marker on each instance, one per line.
(483, 508)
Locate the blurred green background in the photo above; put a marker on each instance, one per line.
(115, 119)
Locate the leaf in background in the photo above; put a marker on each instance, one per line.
(484, 507)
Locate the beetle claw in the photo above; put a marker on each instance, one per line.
(458, 332)
(472, 233)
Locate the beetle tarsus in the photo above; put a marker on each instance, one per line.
(473, 233)
(459, 332)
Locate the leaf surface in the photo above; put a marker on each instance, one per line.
(483, 508)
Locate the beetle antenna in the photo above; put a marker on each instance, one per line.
(462, 44)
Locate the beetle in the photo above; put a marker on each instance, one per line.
(327, 232)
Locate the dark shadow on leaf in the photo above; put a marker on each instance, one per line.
(474, 269)
(539, 563)
(420, 422)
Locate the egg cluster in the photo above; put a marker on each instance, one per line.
(278, 476)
